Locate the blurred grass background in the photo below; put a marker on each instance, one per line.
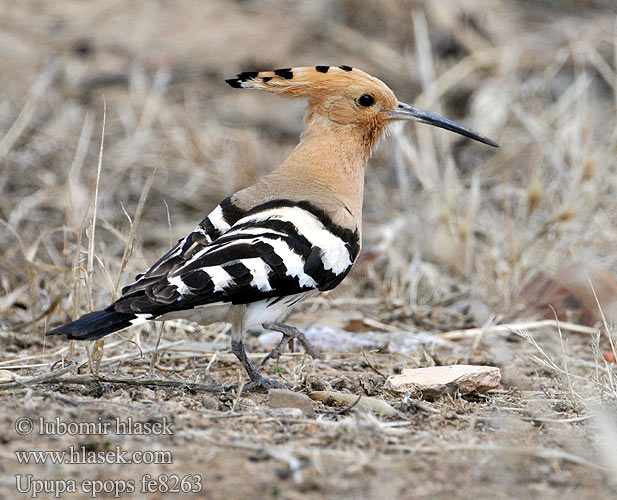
(497, 233)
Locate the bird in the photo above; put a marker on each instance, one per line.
(295, 233)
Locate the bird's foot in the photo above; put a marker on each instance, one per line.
(289, 333)
(261, 382)
(257, 381)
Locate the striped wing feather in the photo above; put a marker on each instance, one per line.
(275, 250)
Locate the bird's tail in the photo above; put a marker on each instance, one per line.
(97, 324)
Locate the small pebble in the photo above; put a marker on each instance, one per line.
(282, 398)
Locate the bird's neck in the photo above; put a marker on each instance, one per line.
(328, 166)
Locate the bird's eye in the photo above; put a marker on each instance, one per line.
(366, 100)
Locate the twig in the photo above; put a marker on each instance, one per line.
(513, 327)
(39, 379)
(342, 410)
(56, 378)
(7, 362)
(565, 361)
(371, 366)
(156, 349)
(539, 420)
(90, 265)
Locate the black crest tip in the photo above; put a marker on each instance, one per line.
(346, 68)
(247, 75)
(284, 73)
(234, 82)
(322, 69)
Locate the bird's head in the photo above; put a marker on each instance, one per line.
(345, 96)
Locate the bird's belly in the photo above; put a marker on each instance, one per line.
(249, 315)
(204, 315)
(273, 309)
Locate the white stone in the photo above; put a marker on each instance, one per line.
(435, 381)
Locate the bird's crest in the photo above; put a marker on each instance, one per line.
(306, 81)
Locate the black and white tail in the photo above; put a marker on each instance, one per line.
(97, 324)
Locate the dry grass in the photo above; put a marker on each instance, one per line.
(457, 236)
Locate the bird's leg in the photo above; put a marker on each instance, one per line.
(256, 380)
(289, 333)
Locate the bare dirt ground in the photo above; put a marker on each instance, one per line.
(458, 239)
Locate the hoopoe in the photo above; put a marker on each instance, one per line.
(294, 233)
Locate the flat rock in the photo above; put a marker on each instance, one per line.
(282, 398)
(435, 381)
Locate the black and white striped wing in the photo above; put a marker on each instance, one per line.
(277, 249)
(208, 230)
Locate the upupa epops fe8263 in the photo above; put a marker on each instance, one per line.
(294, 233)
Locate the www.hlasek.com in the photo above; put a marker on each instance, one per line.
(81, 455)
(163, 483)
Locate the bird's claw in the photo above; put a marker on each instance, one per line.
(258, 382)
(289, 333)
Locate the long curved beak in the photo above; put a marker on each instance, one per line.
(408, 112)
